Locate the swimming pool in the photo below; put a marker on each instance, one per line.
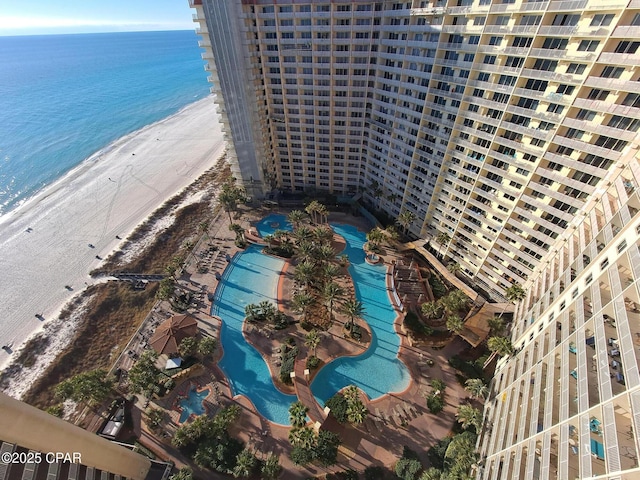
(377, 371)
(250, 277)
(193, 404)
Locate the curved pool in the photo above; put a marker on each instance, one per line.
(377, 371)
(250, 277)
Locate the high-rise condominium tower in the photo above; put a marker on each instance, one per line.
(509, 126)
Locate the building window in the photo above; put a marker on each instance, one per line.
(588, 45)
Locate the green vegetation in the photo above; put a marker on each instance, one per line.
(267, 312)
(188, 347)
(415, 325)
(91, 388)
(468, 368)
(469, 418)
(143, 376)
(500, 346)
(298, 414)
(206, 440)
(435, 400)
(207, 346)
(437, 287)
(230, 196)
(476, 387)
(408, 467)
(289, 354)
(347, 407)
(309, 447)
(155, 419)
(452, 458)
(185, 473)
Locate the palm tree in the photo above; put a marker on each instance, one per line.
(454, 267)
(323, 234)
(476, 387)
(496, 324)
(323, 213)
(514, 294)
(301, 303)
(306, 251)
(431, 473)
(405, 219)
(431, 310)
(500, 345)
(305, 272)
(468, 417)
(203, 227)
(269, 240)
(330, 270)
(303, 234)
(302, 437)
(296, 217)
(353, 309)
(332, 292)
(246, 462)
(312, 340)
(455, 324)
(324, 253)
(375, 237)
(271, 468)
(443, 238)
(312, 210)
(238, 230)
(298, 414)
(229, 196)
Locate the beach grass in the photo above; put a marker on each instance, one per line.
(114, 311)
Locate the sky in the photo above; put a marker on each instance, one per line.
(45, 17)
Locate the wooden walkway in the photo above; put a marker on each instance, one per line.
(303, 391)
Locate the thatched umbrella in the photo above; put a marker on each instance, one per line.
(171, 332)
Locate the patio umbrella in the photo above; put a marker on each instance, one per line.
(171, 332)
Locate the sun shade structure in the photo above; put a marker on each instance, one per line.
(171, 332)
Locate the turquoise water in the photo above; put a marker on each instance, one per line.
(193, 404)
(377, 371)
(269, 224)
(64, 97)
(251, 277)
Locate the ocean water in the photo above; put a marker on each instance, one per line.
(64, 97)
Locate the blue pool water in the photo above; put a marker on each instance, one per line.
(251, 277)
(269, 224)
(193, 404)
(378, 370)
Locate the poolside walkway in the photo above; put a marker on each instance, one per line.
(303, 391)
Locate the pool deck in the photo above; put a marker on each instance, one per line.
(395, 420)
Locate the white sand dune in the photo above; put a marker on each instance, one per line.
(108, 195)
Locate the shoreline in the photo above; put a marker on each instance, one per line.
(55, 237)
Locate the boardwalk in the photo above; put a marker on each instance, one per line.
(303, 391)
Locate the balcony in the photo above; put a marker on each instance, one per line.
(553, 30)
(427, 11)
(515, 29)
(563, 54)
(620, 58)
(613, 84)
(461, 28)
(624, 31)
(567, 6)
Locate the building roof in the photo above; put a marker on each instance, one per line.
(171, 332)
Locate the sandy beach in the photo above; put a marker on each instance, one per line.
(52, 241)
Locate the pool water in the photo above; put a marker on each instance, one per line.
(193, 404)
(377, 371)
(250, 277)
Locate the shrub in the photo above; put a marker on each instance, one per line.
(413, 323)
(435, 403)
(338, 405)
(374, 473)
(356, 332)
(313, 362)
(285, 370)
(436, 453)
(408, 468)
(437, 287)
